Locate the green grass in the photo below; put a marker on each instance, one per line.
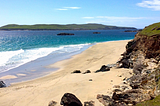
(61, 27)
(154, 102)
(151, 30)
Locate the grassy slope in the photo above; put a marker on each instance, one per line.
(151, 30)
(60, 27)
(154, 102)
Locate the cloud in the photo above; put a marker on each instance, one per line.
(113, 18)
(88, 17)
(68, 8)
(153, 4)
(119, 18)
(62, 9)
(73, 7)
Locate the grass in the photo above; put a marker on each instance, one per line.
(154, 102)
(151, 30)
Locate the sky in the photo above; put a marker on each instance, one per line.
(129, 13)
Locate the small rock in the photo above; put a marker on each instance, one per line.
(130, 73)
(120, 76)
(89, 103)
(52, 103)
(124, 82)
(118, 91)
(90, 80)
(124, 78)
(116, 86)
(88, 71)
(158, 28)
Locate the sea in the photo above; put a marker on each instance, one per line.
(28, 52)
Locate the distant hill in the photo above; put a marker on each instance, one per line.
(62, 27)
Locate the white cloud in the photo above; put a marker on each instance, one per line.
(73, 7)
(68, 8)
(119, 18)
(153, 4)
(62, 9)
(88, 17)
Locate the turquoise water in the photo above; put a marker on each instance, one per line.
(20, 47)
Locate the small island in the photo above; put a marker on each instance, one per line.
(133, 30)
(96, 32)
(64, 34)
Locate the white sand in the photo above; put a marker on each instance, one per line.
(41, 91)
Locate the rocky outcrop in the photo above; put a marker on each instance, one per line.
(140, 48)
(143, 56)
(69, 99)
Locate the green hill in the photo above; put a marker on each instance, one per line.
(151, 30)
(61, 27)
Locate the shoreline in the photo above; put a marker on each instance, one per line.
(42, 90)
(28, 71)
(37, 68)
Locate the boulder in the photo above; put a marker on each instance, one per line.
(103, 69)
(69, 99)
(2, 84)
(52, 103)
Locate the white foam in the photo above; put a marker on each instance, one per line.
(12, 59)
(5, 56)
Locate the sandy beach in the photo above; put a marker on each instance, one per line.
(41, 91)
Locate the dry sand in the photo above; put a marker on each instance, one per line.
(41, 91)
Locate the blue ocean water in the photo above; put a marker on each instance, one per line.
(20, 47)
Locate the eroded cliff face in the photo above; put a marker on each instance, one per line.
(140, 48)
(143, 56)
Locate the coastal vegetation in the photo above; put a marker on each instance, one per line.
(61, 27)
(151, 30)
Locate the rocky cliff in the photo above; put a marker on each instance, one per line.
(143, 56)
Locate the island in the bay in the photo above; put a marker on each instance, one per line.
(62, 27)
